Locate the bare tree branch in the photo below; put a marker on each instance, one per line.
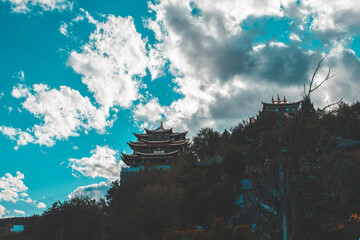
(312, 81)
(330, 105)
(314, 74)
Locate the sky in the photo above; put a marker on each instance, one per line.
(79, 77)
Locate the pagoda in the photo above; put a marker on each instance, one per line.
(154, 149)
(281, 106)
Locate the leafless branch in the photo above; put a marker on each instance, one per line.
(315, 73)
(312, 81)
(330, 105)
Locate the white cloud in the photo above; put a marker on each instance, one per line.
(220, 71)
(11, 187)
(150, 111)
(20, 212)
(102, 163)
(2, 211)
(28, 200)
(23, 6)
(221, 75)
(95, 191)
(346, 65)
(331, 14)
(20, 75)
(206, 55)
(63, 113)
(64, 29)
(294, 37)
(112, 61)
(41, 205)
(24, 194)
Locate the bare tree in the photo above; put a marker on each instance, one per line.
(313, 86)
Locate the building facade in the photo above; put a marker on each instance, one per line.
(281, 106)
(154, 149)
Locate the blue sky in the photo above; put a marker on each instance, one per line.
(78, 77)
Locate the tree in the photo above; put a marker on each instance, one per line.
(242, 232)
(192, 233)
(220, 231)
(205, 143)
(77, 218)
(212, 175)
(222, 199)
(299, 156)
(196, 204)
(344, 121)
(234, 164)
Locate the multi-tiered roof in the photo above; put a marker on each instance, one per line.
(281, 106)
(156, 147)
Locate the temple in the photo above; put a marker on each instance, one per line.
(281, 106)
(157, 148)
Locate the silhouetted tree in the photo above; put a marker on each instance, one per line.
(242, 232)
(77, 218)
(196, 204)
(222, 198)
(205, 143)
(234, 164)
(220, 231)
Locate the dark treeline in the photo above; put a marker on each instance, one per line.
(304, 169)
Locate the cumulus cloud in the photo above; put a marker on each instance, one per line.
(102, 163)
(339, 16)
(11, 187)
(95, 191)
(284, 64)
(41, 205)
(212, 58)
(63, 112)
(151, 111)
(64, 29)
(20, 212)
(223, 69)
(346, 65)
(112, 61)
(16, 134)
(24, 6)
(219, 55)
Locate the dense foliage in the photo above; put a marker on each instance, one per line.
(318, 194)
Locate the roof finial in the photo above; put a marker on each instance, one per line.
(161, 124)
(278, 98)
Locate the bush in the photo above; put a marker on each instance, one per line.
(220, 231)
(242, 232)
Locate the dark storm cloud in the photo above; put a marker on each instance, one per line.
(284, 65)
(242, 104)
